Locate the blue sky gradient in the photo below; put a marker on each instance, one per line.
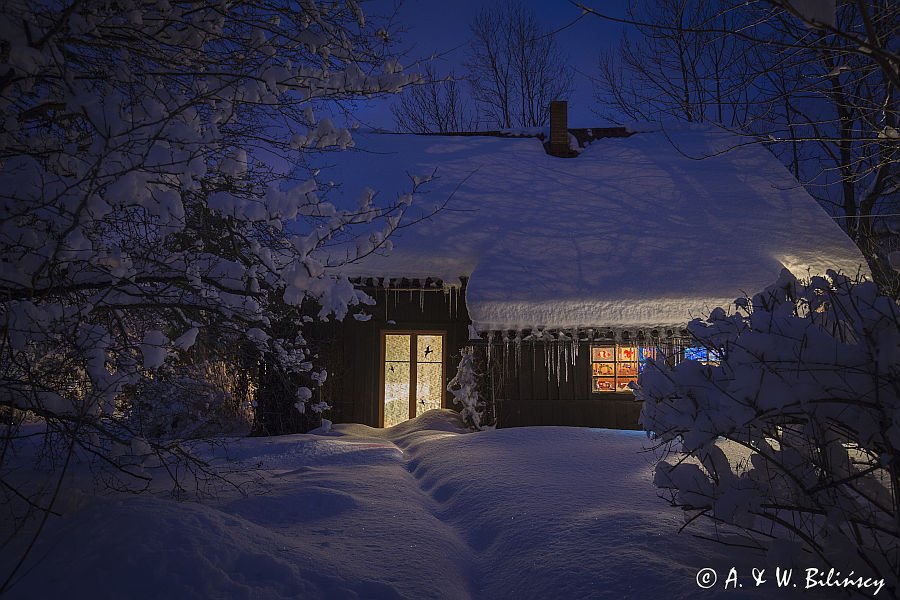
(441, 29)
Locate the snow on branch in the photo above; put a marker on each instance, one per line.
(793, 436)
(157, 207)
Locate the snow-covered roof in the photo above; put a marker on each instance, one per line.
(638, 232)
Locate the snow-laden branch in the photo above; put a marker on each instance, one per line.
(160, 225)
(794, 435)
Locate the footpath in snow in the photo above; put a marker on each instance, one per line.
(421, 510)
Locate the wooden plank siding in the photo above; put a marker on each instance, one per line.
(525, 392)
(526, 396)
(352, 349)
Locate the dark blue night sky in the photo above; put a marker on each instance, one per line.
(441, 28)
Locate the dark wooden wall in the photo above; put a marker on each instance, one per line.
(523, 392)
(351, 349)
(535, 393)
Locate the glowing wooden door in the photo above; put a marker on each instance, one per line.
(412, 372)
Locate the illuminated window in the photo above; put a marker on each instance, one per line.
(702, 355)
(413, 375)
(613, 367)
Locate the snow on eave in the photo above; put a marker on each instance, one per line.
(599, 314)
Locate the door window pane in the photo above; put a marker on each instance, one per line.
(396, 391)
(604, 384)
(429, 388)
(429, 348)
(396, 347)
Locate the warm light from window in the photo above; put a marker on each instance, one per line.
(412, 358)
(614, 367)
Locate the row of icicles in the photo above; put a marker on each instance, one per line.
(560, 346)
(560, 351)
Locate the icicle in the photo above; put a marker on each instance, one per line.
(518, 342)
(554, 362)
(546, 359)
(490, 342)
(574, 346)
(533, 364)
(505, 356)
(504, 338)
(559, 347)
(453, 301)
(565, 361)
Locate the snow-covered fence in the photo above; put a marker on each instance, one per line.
(794, 435)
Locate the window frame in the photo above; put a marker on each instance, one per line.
(615, 362)
(678, 354)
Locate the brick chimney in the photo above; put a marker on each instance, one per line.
(559, 129)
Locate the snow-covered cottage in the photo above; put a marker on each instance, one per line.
(566, 266)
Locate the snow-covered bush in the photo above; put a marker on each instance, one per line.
(154, 182)
(794, 435)
(210, 398)
(464, 388)
(155, 185)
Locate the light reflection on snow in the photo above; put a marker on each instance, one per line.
(623, 432)
(301, 452)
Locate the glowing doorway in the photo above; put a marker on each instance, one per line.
(413, 375)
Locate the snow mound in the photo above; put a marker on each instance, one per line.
(146, 548)
(291, 451)
(443, 419)
(548, 512)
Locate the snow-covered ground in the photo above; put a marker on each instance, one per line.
(421, 510)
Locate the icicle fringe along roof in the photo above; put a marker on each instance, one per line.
(639, 232)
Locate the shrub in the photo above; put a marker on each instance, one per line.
(793, 437)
